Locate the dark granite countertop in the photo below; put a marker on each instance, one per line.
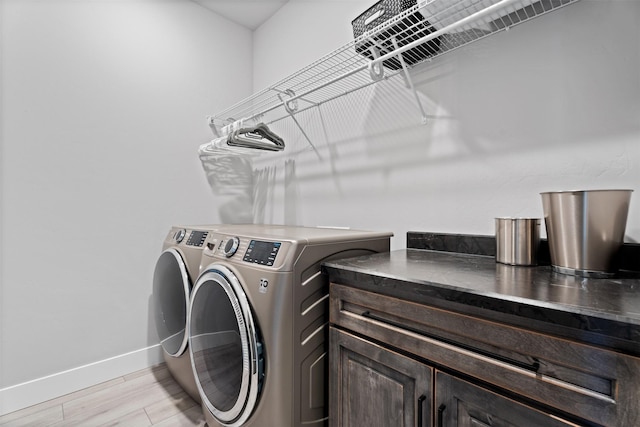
(603, 312)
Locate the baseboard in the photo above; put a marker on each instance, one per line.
(42, 389)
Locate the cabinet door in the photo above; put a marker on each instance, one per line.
(371, 386)
(462, 404)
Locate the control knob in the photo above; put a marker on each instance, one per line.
(179, 236)
(231, 247)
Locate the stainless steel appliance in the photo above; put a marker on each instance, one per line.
(258, 322)
(176, 269)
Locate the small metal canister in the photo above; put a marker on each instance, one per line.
(517, 240)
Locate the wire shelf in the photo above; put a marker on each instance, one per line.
(421, 33)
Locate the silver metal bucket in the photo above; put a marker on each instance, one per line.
(585, 230)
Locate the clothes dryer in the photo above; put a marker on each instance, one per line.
(176, 269)
(258, 322)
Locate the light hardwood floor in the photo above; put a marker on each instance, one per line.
(149, 397)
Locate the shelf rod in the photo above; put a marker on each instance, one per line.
(339, 95)
(310, 91)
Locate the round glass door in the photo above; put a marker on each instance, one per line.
(226, 353)
(171, 287)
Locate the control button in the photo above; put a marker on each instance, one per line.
(231, 247)
(179, 236)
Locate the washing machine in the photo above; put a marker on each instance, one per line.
(176, 270)
(258, 322)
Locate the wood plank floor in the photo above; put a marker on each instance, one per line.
(149, 397)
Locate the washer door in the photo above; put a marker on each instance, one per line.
(171, 287)
(226, 353)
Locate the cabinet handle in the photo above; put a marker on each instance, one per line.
(441, 409)
(421, 400)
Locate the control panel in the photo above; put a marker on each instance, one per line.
(245, 249)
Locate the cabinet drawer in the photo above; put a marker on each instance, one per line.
(588, 382)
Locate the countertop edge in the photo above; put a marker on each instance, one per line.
(578, 323)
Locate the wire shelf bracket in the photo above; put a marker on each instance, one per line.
(409, 81)
(291, 106)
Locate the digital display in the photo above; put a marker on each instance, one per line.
(263, 253)
(197, 238)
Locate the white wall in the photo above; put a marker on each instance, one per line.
(103, 109)
(298, 34)
(103, 105)
(553, 104)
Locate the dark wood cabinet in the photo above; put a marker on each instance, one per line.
(373, 386)
(476, 372)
